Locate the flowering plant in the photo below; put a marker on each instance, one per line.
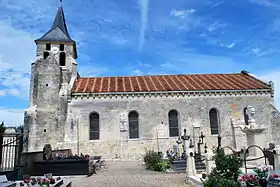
(45, 182)
(262, 171)
(250, 179)
(258, 178)
(274, 176)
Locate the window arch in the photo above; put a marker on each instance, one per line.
(46, 54)
(133, 124)
(214, 121)
(173, 123)
(246, 116)
(62, 59)
(94, 126)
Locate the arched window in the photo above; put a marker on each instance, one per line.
(94, 126)
(246, 116)
(46, 54)
(62, 59)
(214, 121)
(173, 123)
(133, 125)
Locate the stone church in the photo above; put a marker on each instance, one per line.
(121, 117)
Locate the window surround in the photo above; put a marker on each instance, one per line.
(91, 129)
(217, 115)
(176, 120)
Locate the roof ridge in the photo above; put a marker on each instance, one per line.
(163, 75)
(257, 79)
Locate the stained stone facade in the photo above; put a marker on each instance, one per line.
(91, 115)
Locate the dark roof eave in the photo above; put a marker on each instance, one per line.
(175, 91)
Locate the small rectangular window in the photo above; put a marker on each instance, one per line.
(61, 47)
(48, 47)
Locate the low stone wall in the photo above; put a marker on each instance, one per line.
(61, 167)
(29, 157)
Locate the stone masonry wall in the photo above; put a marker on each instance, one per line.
(49, 90)
(153, 114)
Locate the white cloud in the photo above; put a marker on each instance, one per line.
(145, 65)
(276, 25)
(274, 77)
(13, 92)
(182, 13)
(258, 52)
(266, 3)
(229, 46)
(216, 25)
(90, 70)
(144, 6)
(12, 117)
(18, 51)
(217, 4)
(137, 72)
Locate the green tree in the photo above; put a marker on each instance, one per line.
(225, 173)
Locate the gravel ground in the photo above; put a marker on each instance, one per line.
(130, 174)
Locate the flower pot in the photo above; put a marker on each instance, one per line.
(263, 182)
(249, 185)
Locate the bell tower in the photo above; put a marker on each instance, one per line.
(53, 74)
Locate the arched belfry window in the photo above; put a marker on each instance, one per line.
(62, 59)
(173, 123)
(246, 116)
(214, 121)
(133, 124)
(46, 54)
(94, 126)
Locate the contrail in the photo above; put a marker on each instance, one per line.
(144, 5)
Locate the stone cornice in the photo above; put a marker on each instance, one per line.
(177, 94)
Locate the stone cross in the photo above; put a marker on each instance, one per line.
(179, 142)
(185, 139)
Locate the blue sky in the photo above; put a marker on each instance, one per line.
(138, 37)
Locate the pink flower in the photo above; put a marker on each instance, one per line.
(274, 176)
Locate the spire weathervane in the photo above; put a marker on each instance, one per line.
(60, 2)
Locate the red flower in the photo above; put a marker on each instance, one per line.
(274, 176)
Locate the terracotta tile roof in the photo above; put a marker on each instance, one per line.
(157, 83)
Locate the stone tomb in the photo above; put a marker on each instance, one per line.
(37, 182)
(5, 183)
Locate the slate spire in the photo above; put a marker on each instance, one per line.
(58, 31)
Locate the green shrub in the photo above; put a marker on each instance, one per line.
(225, 173)
(154, 162)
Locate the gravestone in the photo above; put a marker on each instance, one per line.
(5, 183)
(47, 152)
(48, 175)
